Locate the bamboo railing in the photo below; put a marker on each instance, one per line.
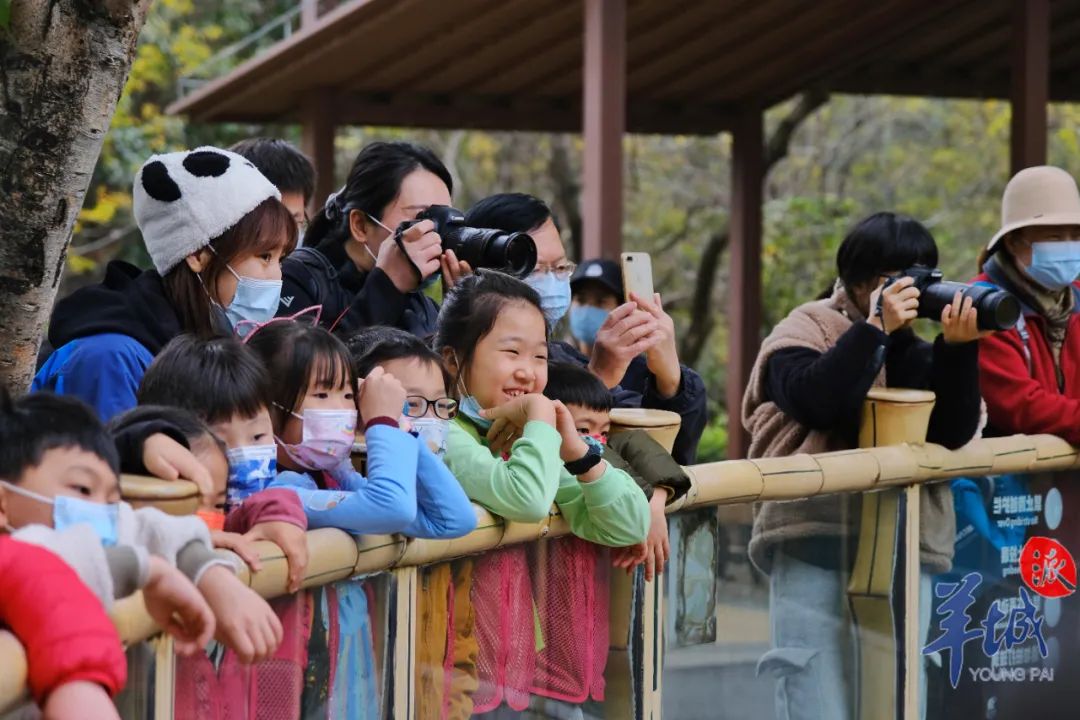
(335, 555)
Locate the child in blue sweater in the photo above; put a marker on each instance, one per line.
(314, 415)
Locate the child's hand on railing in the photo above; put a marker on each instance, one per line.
(177, 607)
(245, 622)
(293, 542)
(238, 544)
(167, 459)
(656, 550)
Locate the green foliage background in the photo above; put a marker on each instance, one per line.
(943, 162)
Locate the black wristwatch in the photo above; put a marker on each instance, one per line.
(587, 462)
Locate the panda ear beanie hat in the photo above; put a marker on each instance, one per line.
(183, 200)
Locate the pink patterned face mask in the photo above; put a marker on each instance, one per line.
(328, 438)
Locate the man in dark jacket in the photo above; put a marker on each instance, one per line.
(635, 352)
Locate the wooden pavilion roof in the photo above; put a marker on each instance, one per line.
(517, 64)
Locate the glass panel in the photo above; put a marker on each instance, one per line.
(332, 662)
(1004, 614)
(136, 700)
(531, 631)
(786, 642)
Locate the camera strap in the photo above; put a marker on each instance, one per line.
(401, 246)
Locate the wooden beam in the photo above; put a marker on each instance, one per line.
(604, 123)
(555, 114)
(317, 141)
(744, 285)
(1030, 78)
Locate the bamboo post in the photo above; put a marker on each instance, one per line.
(663, 426)
(888, 532)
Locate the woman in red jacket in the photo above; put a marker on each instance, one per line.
(1030, 375)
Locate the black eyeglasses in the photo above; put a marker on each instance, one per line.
(416, 406)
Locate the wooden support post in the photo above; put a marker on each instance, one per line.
(1030, 83)
(405, 586)
(744, 285)
(317, 141)
(604, 123)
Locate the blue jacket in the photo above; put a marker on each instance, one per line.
(408, 490)
(106, 336)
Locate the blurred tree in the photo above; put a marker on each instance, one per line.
(53, 120)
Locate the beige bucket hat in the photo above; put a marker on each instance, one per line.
(1041, 195)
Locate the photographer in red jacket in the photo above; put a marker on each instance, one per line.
(1030, 375)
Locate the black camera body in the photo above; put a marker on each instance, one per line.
(997, 309)
(511, 252)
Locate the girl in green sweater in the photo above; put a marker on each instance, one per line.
(515, 452)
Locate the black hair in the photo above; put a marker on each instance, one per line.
(510, 212)
(193, 428)
(884, 242)
(290, 351)
(216, 379)
(374, 181)
(281, 163)
(39, 422)
(470, 309)
(576, 385)
(376, 345)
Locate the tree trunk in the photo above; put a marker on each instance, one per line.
(63, 64)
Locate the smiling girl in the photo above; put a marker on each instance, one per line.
(516, 452)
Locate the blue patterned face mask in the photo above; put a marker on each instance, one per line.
(554, 295)
(1055, 265)
(432, 432)
(251, 468)
(69, 511)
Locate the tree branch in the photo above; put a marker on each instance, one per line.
(702, 317)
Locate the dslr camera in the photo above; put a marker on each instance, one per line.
(511, 252)
(997, 309)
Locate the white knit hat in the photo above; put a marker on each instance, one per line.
(183, 200)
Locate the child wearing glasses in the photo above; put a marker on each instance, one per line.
(446, 650)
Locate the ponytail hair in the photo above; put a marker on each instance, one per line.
(374, 181)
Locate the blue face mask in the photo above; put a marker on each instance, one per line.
(1055, 265)
(471, 409)
(69, 511)
(585, 322)
(255, 301)
(251, 468)
(554, 295)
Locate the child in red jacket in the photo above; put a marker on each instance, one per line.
(74, 659)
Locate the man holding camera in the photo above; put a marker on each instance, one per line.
(805, 396)
(635, 352)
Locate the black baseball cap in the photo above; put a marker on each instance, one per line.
(605, 272)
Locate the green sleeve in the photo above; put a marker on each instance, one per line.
(610, 510)
(651, 462)
(521, 488)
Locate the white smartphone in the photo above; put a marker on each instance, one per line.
(637, 275)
